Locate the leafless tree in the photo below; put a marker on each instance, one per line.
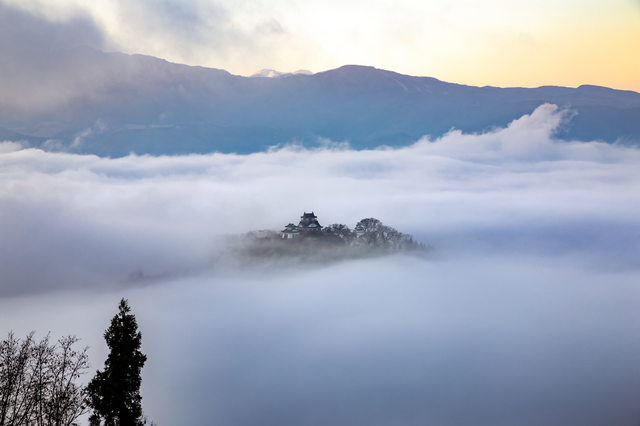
(38, 381)
(371, 232)
(342, 231)
(15, 401)
(389, 238)
(368, 231)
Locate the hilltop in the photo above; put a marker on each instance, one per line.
(311, 242)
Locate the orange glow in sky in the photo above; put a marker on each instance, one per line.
(488, 42)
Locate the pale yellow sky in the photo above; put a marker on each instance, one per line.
(476, 42)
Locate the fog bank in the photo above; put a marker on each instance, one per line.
(526, 314)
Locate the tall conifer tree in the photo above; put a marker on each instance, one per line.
(114, 394)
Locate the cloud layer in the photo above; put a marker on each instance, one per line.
(526, 314)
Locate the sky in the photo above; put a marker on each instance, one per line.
(491, 42)
(525, 313)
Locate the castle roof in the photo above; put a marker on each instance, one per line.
(290, 229)
(309, 221)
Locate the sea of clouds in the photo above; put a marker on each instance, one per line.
(525, 314)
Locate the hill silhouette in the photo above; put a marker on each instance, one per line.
(112, 104)
(369, 238)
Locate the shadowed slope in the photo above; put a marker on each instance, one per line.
(111, 104)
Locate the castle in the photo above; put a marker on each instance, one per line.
(308, 223)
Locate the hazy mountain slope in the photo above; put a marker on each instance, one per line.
(111, 104)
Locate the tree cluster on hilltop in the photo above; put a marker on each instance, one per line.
(373, 233)
(370, 237)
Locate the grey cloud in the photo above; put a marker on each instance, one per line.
(194, 31)
(490, 341)
(181, 25)
(37, 66)
(29, 36)
(269, 27)
(50, 65)
(383, 347)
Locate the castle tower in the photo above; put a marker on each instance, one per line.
(309, 222)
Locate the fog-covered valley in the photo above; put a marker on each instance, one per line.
(525, 313)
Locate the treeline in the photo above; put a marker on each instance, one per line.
(373, 233)
(39, 381)
(369, 238)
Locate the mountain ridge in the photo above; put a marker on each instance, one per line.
(111, 104)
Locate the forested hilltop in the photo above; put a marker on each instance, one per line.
(369, 238)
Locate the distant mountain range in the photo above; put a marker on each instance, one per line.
(277, 74)
(111, 104)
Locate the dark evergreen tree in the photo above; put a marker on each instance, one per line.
(114, 394)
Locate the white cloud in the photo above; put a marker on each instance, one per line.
(526, 312)
(161, 214)
(9, 146)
